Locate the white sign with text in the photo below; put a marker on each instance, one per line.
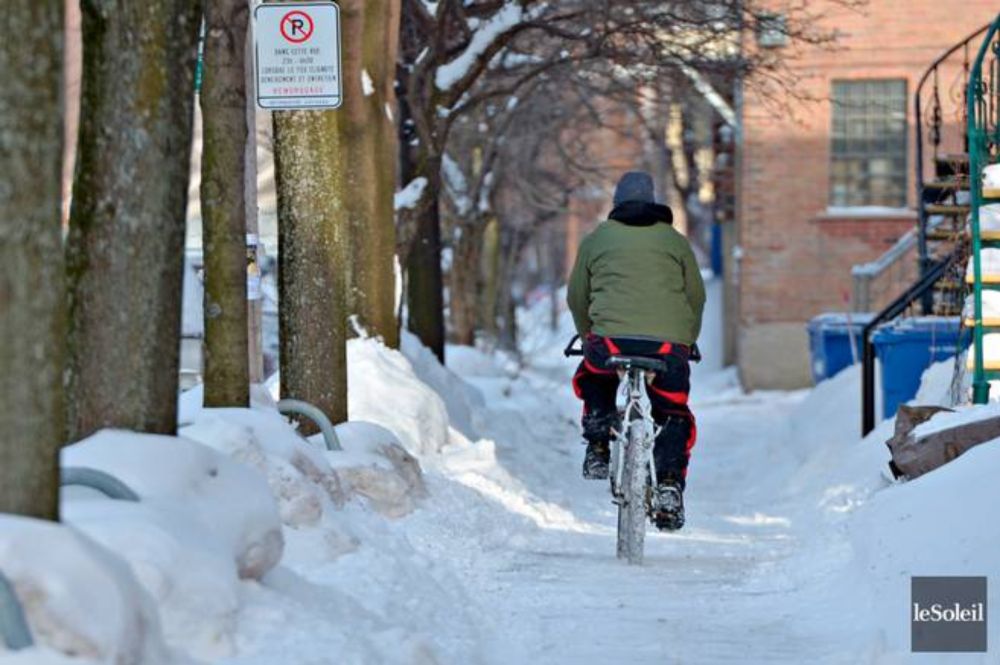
(297, 56)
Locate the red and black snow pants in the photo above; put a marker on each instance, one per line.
(668, 394)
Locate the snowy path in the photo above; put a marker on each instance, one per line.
(552, 584)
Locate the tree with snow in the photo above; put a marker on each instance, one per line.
(449, 47)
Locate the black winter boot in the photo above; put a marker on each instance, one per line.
(667, 510)
(596, 460)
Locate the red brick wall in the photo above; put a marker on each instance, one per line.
(796, 259)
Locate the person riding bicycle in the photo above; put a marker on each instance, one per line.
(636, 289)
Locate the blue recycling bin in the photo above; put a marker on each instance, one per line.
(830, 342)
(907, 347)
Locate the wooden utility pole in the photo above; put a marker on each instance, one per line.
(255, 297)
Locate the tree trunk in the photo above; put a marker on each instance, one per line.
(369, 161)
(126, 239)
(512, 242)
(223, 169)
(32, 309)
(490, 293)
(466, 282)
(380, 59)
(312, 247)
(424, 279)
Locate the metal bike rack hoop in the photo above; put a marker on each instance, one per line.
(13, 626)
(103, 482)
(313, 413)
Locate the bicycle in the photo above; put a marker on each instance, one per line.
(632, 468)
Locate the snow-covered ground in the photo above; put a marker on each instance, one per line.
(798, 548)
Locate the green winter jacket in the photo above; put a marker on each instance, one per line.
(636, 276)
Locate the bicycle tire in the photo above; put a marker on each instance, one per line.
(632, 508)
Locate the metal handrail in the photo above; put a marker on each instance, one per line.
(925, 260)
(981, 110)
(864, 275)
(894, 309)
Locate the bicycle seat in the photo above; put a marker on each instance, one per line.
(639, 362)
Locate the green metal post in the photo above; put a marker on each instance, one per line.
(977, 135)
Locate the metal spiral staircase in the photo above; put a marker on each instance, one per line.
(983, 136)
(957, 112)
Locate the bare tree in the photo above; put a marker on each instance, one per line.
(32, 309)
(126, 236)
(457, 56)
(223, 170)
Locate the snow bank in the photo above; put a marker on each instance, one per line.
(962, 415)
(877, 532)
(934, 525)
(228, 501)
(65, 581)
(385, 389)
(374, 465)
(297, 472)
(461, 400)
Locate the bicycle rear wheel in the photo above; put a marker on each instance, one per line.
(632, 505)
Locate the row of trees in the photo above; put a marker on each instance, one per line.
(489, 141)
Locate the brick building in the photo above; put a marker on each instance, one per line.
(832, 186)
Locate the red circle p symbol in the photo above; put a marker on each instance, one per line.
(297, 27)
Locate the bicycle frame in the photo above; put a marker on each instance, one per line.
(635, 412)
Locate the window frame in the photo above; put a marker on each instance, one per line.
(848, 154)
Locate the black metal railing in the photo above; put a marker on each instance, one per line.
(932, 113)
(923, 286)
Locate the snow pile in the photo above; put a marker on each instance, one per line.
(962, 415)
(203, 523)
(460, 399)
(989, 217)
(929, 526)
(991, 305)
(223, 500)
(298, 473)
(375, 466)
(936, 386)
(937, 524)
(989, 262)
(384, 389)
(64, 582)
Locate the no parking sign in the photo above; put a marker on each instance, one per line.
(297, 55)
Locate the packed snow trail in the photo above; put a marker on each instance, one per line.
(537, 557)
(551, 580)
(797, 547)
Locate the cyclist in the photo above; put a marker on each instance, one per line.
(636, 289)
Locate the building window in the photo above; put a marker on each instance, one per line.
(772, 30)
(868, 143)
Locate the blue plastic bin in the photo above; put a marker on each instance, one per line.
(907, 347)
(830, 342)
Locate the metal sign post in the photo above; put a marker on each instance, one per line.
(297, 56)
